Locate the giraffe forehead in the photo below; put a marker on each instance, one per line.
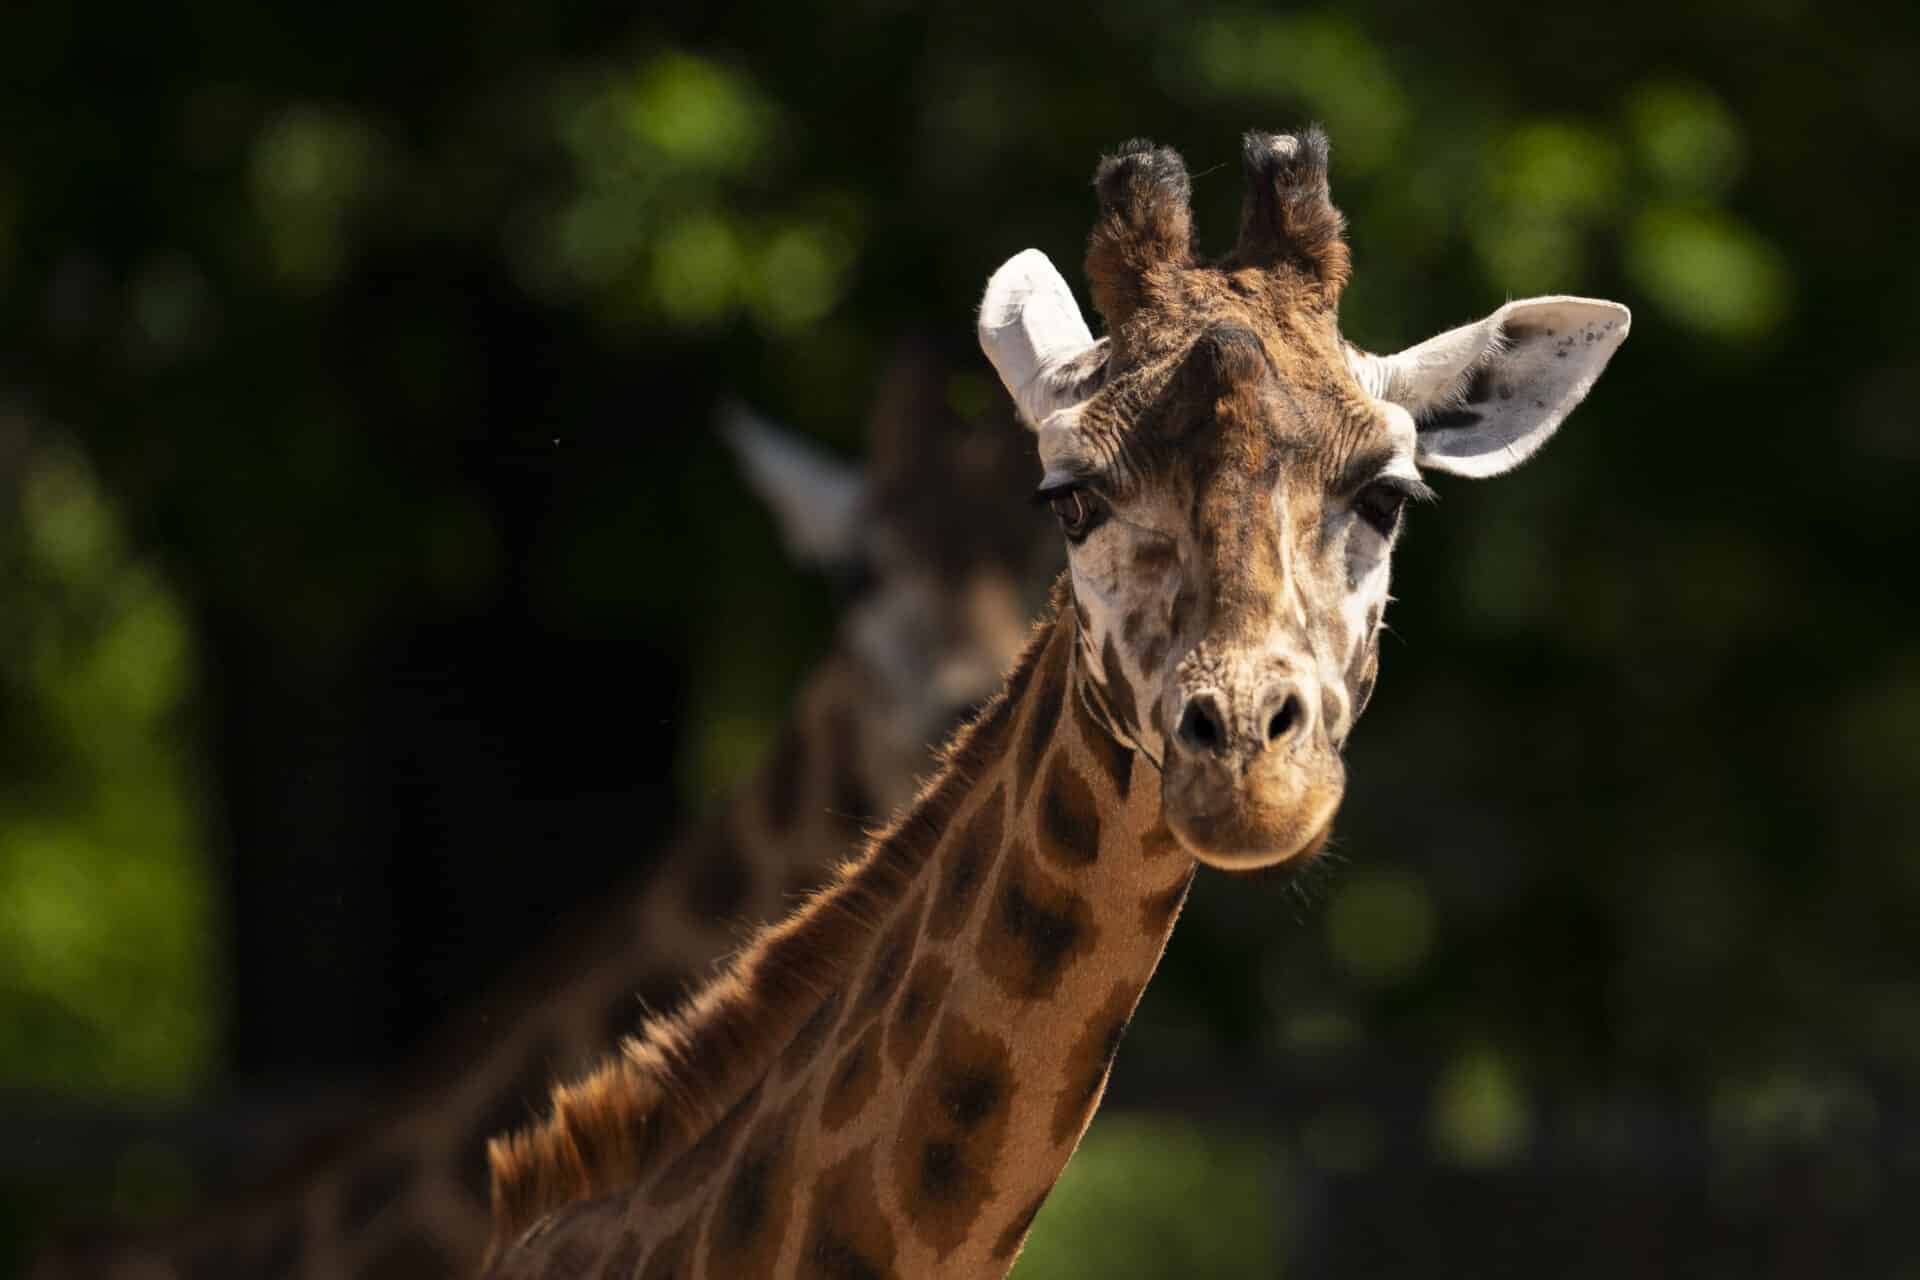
(1239, 407)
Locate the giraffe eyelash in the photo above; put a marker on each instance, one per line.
(1408, 487)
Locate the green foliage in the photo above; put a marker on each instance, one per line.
(313, 169)
(108, 938)
(1711, 273)
(654, 228)
(1380, 925)
(1318, 56)
(1126, 1206)
(1480, 1114)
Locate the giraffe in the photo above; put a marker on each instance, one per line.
(937, 603)
(890, 1081)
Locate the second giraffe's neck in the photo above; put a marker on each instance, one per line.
(896, 1077)
(405, 1190)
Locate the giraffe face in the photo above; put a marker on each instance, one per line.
(930, 646)
(1230, 565)
(941, 560)
(1230, 477)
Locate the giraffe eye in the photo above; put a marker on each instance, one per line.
(1380, 505)
(1077, 510)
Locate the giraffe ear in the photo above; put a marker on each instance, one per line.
(1485, 396)
(1037, 340)
(815, 497)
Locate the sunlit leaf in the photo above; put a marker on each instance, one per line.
(1480, 1115)
(1381, 926)
(1710, 272)
(1686, 137)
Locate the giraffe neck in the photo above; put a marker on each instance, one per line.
(404, 1192)
(904, 1103)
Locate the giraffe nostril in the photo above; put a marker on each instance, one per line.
(1200, 727)
(1283, 722)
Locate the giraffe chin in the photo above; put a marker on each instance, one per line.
(1261, 818)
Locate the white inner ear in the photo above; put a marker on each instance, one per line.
(816, 499)
(1034, 335)
(1486, 396)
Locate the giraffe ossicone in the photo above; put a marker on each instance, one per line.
(890, 1082)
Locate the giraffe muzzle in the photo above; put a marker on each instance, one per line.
(1251, 778)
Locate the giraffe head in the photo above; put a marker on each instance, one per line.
(1230, 475)
(941, 560)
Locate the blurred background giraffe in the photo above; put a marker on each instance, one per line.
(943, 564)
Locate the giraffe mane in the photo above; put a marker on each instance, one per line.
(682, 1072)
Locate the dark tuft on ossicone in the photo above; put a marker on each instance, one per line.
(1289, 213)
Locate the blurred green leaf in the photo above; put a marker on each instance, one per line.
(1710, 272)
(1380, 926)
(1319, 57)
(107, 935)
(1686, 137)
(313, 167)
(1480, 1111)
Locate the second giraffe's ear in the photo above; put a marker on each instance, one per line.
(816, 498)
(1037, 340)
(1485, 396)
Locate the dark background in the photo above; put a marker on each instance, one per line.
(372, 585)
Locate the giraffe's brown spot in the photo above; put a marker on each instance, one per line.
(1090, 1058)
(1159, 841)
(848, 1235)
(849, 800)
(374, 1188)
(719, 881)
(855, 1079)
(698, 1163)
(1153, 652)
(673, 1260)
(1184, 598)
(914, 1011)
(889, 963)
(1114, 759)
(1016, 1233)
(806, 1043)
(1035, 931)
(964, 865)
(953, 1128)
(1158, 910)
(1069, 817)
(749, 1221)
(1113, 674)
(1043, 714)
(783, 772)
(1154, 554)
